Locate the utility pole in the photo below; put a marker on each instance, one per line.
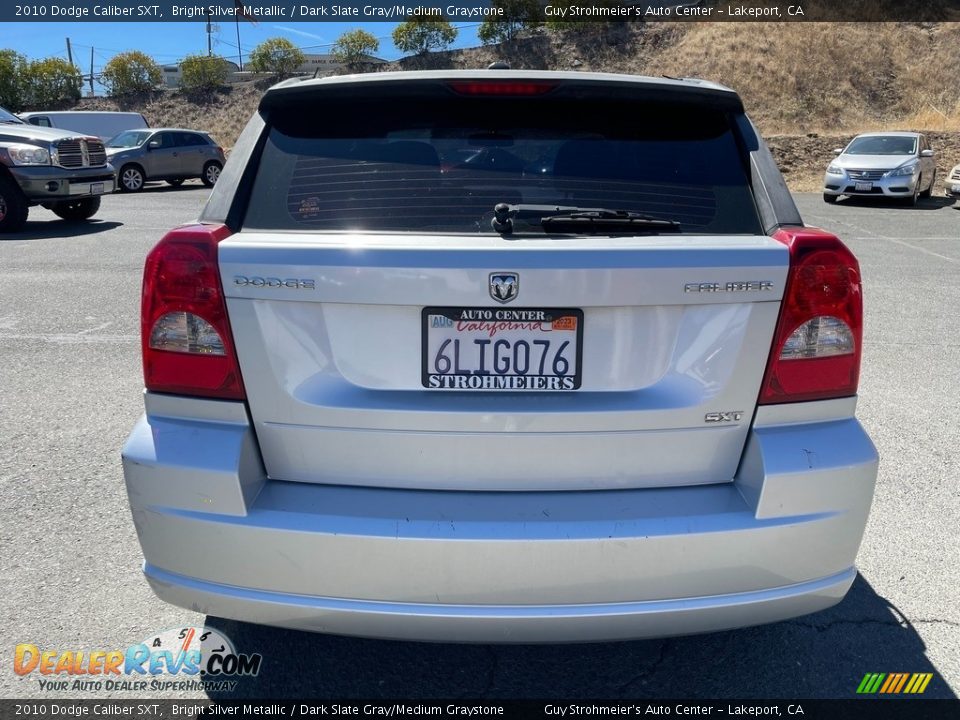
(91, 72)
(239, 52)
(69, 52)
(209, 35)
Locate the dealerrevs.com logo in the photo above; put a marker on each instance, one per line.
(189, 658)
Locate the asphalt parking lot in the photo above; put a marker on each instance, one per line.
(70, 387)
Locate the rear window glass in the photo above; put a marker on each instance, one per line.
(442, 166)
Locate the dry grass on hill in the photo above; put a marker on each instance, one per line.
(822, 77)
(223, 115)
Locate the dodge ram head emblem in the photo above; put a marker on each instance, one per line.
(504, 286)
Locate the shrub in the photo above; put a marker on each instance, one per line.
(517, 15)
(277, 56)
(353, 46)
(52, 82)
(130, 72)
(13, 72)
(202, 74)
(418, 34)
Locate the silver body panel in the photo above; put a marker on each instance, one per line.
(334, 371)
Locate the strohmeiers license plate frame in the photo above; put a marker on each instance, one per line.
(456, 313)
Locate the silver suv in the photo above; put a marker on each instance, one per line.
(599, 384)
(171, 154)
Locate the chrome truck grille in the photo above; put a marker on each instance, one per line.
(79, 153)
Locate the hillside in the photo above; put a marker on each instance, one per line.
(809, 86)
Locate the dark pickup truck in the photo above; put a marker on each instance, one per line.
(63, 171)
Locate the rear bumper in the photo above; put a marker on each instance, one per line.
(502, 623)
(220, 538)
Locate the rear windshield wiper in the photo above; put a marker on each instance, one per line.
(563, 219)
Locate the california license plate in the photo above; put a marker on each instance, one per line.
(864, 186)
(501, 349)
(96, 188)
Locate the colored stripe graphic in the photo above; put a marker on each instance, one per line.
(894, 683)
(903, 681)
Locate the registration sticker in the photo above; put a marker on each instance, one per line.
(501, 349)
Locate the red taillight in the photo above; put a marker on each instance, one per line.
(817, 346)
(185, 336)
(486, 87)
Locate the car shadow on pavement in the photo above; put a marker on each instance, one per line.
(55, 229)
(930, 203)
(824, 655)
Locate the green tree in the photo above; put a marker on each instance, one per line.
(419, 34)
(131, 72)
(277, 56)
(13, 74)
(52, 82)
(353, 46)
(203, 74)
(517, 15)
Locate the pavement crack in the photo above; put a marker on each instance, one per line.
(935, 621)
(898, 622)
(823, 627)
(647, 672)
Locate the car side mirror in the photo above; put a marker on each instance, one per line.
(153, 145)
(926, 153)
(838, 151)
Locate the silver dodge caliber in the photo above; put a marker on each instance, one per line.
(500, 356)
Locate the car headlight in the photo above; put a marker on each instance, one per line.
(28, 155)
(908, 169)
(834, 169)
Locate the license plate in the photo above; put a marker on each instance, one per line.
(955, 188)
(501, 349)
(864, 186)
(96, 188)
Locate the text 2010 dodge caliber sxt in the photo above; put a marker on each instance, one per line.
(500, 356)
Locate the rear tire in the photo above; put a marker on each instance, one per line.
(13, 206)
(830, 199)
(211, 173)
(131, 178)
(176, 182)
(83, 209)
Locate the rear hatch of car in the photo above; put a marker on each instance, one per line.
(403, 317)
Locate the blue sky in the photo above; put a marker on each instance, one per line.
(166, 42)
